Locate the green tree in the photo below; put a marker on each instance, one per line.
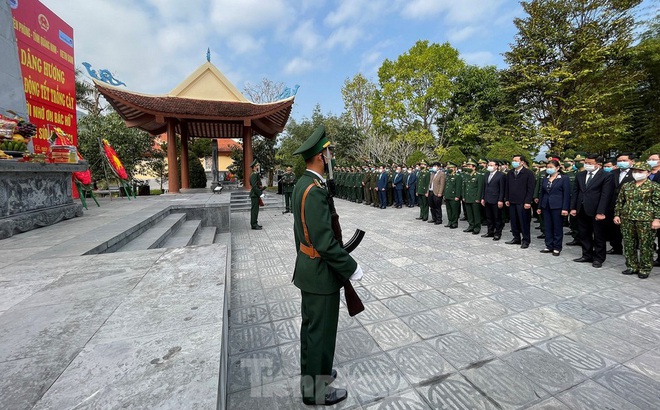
(133, 146)
(567, 70)
(506, 148)
(455, 155)
(414, 90)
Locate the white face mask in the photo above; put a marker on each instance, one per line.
(589, 167)
(491, 169)
(639, 176)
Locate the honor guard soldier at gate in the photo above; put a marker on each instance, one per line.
(322, 267)
(288, 181)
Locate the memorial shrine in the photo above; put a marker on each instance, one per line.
(204, 105)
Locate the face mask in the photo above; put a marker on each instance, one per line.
(567, 165)
(515, 164)
(435, 169)
(652, 163)
(639, 176)
(573, 168)
(623, 164)
(450, 170)
(607, 169)
(468, 170)
(589, 167)
(491, 169)
(551, 171)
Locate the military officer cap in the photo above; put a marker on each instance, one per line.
(314, 144)
(253, 163)
(579, 158)
(483, 161)
(470, 162)
(451, 164)
(641, 165)
(567, 160)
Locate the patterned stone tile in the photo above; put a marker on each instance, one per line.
(353, 344)
(285, 309)
(384, 290)
(288, 330)
(277, 395)
(420, 363)
(255, 368)
(282, 293)
(545, 370)
(408, 400)
(404, 305)
(374, 312)
(374, 377)
(526, 328)
(391, 334)
(460, 351)
(460, 293)
(554, 320)
(241, 299)
(412, 285)
(590, 395)
(631, 332)
(632, 386)
(647, 364)
(606, 344)
(459, 315)
(495, 338)
(246, 338)
(428, 324)
(455, 393)
(578, 310)
(515, 301)
(249, 315)
(504, 385)
(291, 358)
(548, 404)
(580, 357)
(437, 280)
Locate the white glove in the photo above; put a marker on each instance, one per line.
(357, 275)
(262, 195)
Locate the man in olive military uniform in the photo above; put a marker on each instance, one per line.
(255, 194)
(452, 194)
(322, 265)
(373, 183)
(366, 185)
(637, 210)
(288, 181)
(423, 181)
(473, 186)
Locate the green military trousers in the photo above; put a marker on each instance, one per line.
(254, 211)
(638, 234)
(423, 207)
(453, 209)
(318, 333)
(473, 214)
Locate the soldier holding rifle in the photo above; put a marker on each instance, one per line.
(323, 266)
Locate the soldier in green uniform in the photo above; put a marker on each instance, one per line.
(366, 185)
(255, 194)
(473, 185)
(373, 184)
(539, 174)
(637, 210)
(322, 265)
(482, 164)
(452, 195)
(423, 181)
(288, 181)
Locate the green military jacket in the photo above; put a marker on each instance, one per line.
(473, 185)
(255, 183)
(320, 275)
(373, 180)
(423, 181)
(537, 184)
(638, 203)
(288, 181)
(453, 186)
(366, 180)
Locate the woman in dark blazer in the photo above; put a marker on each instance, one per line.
(554, 203)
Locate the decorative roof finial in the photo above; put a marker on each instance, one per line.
(208, 55)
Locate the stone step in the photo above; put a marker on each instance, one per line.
(205, 235)
(183, 236)
(157, 234)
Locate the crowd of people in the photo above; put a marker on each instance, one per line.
(614, 200)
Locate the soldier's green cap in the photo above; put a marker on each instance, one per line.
(423, 162)
(483, 160)
(567, 160)
(470, 162)
(253, 163)
(451, 164)
(314, 144)
(641, 165)
(579, 158)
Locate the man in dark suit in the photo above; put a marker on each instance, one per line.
(397, 183)
(518, 196)
(592, 192)
(382, 187)
(411, 186)
(493, 200)
(620, 176)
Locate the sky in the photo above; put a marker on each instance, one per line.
(153, 45)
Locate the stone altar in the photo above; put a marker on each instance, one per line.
(33, 195)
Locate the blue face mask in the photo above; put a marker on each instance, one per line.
(515, 164)
(623, 164)
(607, 169)
(574, 168)
(551, 171)
(652, 163)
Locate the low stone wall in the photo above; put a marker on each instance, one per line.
(33, 195)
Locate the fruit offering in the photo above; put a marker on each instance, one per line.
(26, 129)
(13, 145)
(4, 156)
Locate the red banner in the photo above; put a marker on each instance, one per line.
(45, 52)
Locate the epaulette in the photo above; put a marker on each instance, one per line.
(318, 184)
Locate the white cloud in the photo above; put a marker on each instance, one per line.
(457, 35)
(464, 11)
(479, 58)
(298, 65)
(306, 36)
(345, 37)
(357, 11)
(231, 16)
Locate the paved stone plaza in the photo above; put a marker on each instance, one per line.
(452, 321)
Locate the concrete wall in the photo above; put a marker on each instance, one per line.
(12, 94)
